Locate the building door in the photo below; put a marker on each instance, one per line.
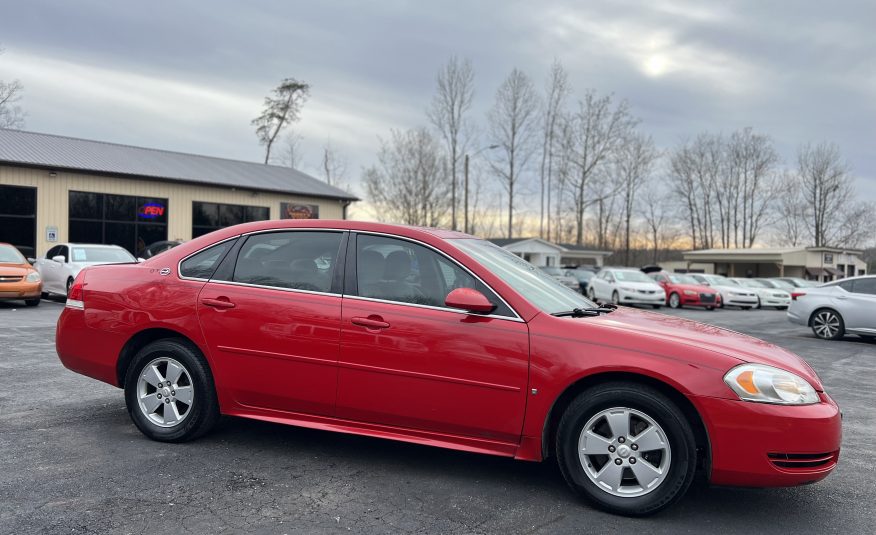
(18, 218)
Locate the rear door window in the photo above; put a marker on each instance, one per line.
(202, 265)
(865, 286)
(299, 260)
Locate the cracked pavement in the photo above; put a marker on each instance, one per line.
(73, 463)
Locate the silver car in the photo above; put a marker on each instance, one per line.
(847, 306)
(563, 276)
(64, 261)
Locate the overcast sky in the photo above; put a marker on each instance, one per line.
(189, 76)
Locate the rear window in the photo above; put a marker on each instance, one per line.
(101, 254)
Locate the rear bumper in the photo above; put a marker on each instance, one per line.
(761, 445)
(85, 350)
(796, 317)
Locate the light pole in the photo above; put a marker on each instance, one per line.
(465, 194)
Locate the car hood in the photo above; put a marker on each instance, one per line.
(690, 333)
(639, 285)
(736, 289)
(15, 270)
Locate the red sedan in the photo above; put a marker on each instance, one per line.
(439, 338)
(683, 290)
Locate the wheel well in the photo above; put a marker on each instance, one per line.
(140, 340)
(819, 309)
(693, 416)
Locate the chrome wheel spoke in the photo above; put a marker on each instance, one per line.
(173, 372)
(184, 394)
(646, 474)
(171, 416)
(649, 440)
(619, 421)
(610, 476)
(595, 444)
(150, 403)
(152, 376)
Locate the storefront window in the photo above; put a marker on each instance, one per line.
(18, 217)
(208, 216)
(125, 220)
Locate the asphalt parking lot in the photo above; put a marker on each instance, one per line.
(73, 463)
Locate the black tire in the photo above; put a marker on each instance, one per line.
(745, 308)
(758, 305)
(615, 298)
(591, 295)
(69, 284)
(44, 295)
(657, 307)
(710, 308)
(868, 338)
(676, 303)
(201, 415)
(656, 406)
(32, 302)
(827, 334)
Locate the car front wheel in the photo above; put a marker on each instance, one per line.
(169, 392)
(626, 448)
(674, 300)
(615, 298)
(827, 324)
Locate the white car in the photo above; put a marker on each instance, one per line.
(843, 307)
(64, 261)
(625, 287)
(732, 294)
(767, 296)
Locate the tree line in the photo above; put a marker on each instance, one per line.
(581, 169)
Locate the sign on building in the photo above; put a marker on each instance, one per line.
(290, 210)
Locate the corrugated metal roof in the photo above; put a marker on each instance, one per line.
(60, 152)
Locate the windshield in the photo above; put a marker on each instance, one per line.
(101, 254)
(533, 284)
(683, 279)
(717, 280)
(778, 283)
(632, 276)
(10, 255)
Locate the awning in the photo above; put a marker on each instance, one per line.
(835, 272)
(816, 272)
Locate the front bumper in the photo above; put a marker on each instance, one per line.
(20, 290)
(739, 301)
(763, 445)
(636, 298)
(698, 300)
(774, 302)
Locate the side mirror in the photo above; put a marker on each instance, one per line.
(140, 259)
(470, 300)
(31, 260)
(59, 259)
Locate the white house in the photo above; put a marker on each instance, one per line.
(544, 253)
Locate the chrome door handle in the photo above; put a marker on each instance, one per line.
(370, 323)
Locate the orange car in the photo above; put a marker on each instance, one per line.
(18, 279)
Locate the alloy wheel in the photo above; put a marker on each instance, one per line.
(624, 452)
(674, 300)
(826, 324)
(165, 392)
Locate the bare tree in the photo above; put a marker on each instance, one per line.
(292, 152)
(405, 186)
(281, 109)
(334, 165)
(656, 209)
(556, 93)
(694, 168)
(453, 99)
(791, 207)
(632, 167)
(513, 123)
(751, 163)
(599, 128)
(835, 217)
(11, 115)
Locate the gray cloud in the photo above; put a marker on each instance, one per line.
(189, 75)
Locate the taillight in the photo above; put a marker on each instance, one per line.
(795, 295)
(76, 293)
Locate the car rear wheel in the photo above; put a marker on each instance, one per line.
(169, 392)
(626, 448)
(32, 302)
(827, 324)
(674, 300)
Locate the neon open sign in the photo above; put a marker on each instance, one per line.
(151, 210)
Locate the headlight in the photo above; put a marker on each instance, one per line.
(33, 276)
(628, 289)
(689, 292)
(765, 384)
